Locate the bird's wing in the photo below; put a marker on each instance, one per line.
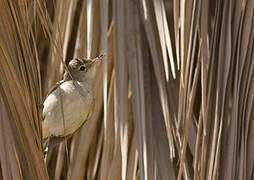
(54, 87)
(67, 77)
(54, 140)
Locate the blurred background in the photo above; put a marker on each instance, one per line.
(174, 95)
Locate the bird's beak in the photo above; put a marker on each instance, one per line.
(98, 58)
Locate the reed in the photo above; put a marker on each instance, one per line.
(174, 97)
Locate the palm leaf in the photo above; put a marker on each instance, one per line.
(151, 120)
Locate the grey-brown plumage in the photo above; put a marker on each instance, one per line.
(71, 102)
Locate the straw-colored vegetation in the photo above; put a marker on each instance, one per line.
(174, 97)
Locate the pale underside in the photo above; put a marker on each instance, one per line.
(66, 109)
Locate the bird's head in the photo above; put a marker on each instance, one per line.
(82, 69)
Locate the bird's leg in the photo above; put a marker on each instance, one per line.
(46, 148)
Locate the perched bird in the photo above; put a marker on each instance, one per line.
(71, 102)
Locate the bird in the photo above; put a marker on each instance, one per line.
(71, 102)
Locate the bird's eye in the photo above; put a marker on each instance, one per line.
(82, 68)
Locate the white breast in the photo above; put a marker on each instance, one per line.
(66, 109)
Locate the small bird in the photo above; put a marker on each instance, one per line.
(71, 102)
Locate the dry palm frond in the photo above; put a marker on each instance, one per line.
(20, 88)
(174, 97)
